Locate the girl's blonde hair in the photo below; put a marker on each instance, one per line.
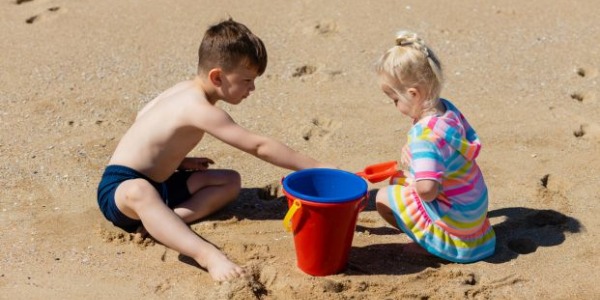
(412, 64)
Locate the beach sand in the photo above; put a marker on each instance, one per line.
(74, 73)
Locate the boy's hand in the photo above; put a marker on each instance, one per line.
(195, 163)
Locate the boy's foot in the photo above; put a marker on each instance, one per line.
(221, 268)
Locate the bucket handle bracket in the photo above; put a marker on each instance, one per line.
(287, 221)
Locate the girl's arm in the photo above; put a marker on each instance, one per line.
(427, 189)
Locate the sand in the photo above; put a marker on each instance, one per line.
(74, 73)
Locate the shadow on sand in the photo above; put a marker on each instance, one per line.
(253, 204)
(519, 231)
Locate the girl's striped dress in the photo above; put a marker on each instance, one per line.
(455, 225)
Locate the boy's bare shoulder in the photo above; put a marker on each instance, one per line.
(183, 96)
(184, 106)
(188, 101)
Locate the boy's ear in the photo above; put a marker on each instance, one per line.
(214, 75)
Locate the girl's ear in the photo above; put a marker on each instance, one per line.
(414, 93)
(214, 75)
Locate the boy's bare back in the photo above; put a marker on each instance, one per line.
(165, 131)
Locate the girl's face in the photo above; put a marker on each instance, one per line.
(404, 102)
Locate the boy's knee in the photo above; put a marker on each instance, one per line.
(235, 184)
(135, 191)
(235, 179)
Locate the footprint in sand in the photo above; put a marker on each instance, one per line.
(319, 129)
(579, 132)
(307, 70)
(322, 28)
(436, 280)
(433, 276)
(326, 28)
(48, 14)
(163, 287)
(304, 71)
(485, 291)
(587, 131)
(584, 73)
(554, 193)
(472, 285)
(578, 96)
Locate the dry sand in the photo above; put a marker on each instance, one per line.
(74, 73)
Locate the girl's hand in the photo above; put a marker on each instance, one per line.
(405, 157)
(399, 179)
(195, 163)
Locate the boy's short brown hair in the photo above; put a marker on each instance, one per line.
(228, 44)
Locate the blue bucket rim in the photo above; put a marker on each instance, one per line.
(305, 197)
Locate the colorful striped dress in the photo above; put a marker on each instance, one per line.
(454, 226)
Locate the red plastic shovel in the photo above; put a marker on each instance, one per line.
(379, 172)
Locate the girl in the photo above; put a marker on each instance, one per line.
(442, 204)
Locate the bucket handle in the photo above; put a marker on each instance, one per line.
(287, 221)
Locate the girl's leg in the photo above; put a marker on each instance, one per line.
(139, 200)
(211, 190)
(382, 203)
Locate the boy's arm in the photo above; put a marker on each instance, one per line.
(195, 163)
(223, 127)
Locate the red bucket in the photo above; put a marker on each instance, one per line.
(323, 209)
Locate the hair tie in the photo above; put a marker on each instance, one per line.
(404, 42)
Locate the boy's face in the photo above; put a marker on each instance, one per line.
(238, 83)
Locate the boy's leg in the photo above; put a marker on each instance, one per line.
(138, 200)
(211, 190)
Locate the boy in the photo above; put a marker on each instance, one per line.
(149, 180)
